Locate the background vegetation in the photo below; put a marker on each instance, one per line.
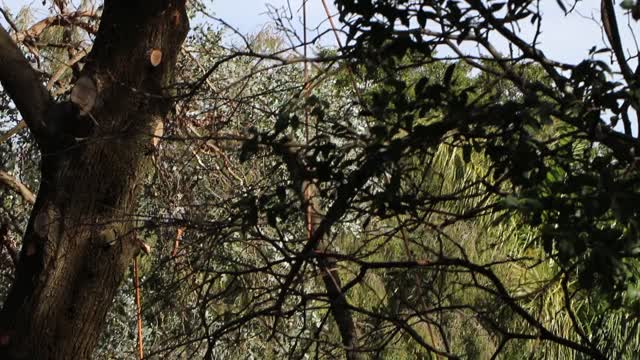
(392, 196)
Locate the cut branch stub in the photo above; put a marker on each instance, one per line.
(158, 131)
(143, 246)
(155, 57)
(84, 94)
(41, 224)
(48, 217)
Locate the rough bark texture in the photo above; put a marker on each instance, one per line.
(78, 242)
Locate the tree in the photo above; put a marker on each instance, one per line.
(80, 239)
(396, 197)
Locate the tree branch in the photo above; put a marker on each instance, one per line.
(17, 186)
(8, 19)
(22, 84)
(6, 243)
(72, 18)
(309, 195)
(613, 35)
(16, 129)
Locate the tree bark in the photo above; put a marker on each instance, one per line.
(316, 233)
(79, 240)
(331, 277)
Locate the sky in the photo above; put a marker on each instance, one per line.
(565, 38)
(252, 15)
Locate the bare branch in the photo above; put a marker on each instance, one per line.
(72, 18)
(613, 35)
(17, 186)
(22, 84)
(8, 19)
(6, 136)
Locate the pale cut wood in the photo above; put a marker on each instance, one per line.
(84, 94)
(155, 57)
(158, 131)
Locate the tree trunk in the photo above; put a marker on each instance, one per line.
(80, 237)
(331, 278)
(317, 228)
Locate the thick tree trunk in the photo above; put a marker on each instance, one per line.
(79, 240)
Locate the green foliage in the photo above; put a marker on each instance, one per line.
(474, 206)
